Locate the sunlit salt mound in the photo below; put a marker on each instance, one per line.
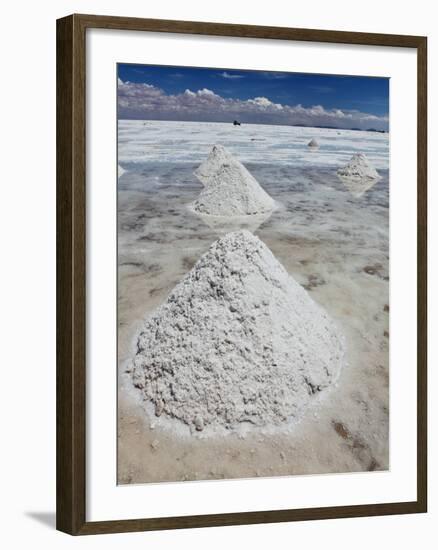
(120, 171)
(237, 344)
(229, 189)
(360, 168)
(313, 144)
(216, 159)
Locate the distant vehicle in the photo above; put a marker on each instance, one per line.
(236, 123)
(313, 144)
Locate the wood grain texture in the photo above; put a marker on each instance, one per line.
(422, 275)
(70, 171)
(71, 270)
(247, 31)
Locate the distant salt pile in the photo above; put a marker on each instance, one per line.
(120, 171)
(237, 343)
(313, 144)
(360, 168)
(229, 189)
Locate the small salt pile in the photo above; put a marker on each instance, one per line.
(237, 343)
(120, 171)
(359, 167)
(229, 189)
(313, 144)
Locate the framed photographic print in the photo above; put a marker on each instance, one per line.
(241, 274)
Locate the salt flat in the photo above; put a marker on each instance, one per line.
(334, 242)
(164, 141)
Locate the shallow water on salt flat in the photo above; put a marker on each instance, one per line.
(333, 242)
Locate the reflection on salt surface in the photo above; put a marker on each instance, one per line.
(357, 187)
(225, 224)
(318, 215)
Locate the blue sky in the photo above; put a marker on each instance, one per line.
(185, 93)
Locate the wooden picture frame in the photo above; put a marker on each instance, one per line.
(71, 271)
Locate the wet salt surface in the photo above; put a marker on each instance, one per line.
(334, 243)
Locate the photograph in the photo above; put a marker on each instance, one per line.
(253, 273)
(217, 242)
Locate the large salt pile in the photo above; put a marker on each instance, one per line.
(359, 167)
(229, 189)
(237, 343)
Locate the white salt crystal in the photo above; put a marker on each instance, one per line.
(238, 341)
(229, 189)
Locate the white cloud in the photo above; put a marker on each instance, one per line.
(230, 75)
(145, 101)
(273, 75)
(206, 91)
(264, 103)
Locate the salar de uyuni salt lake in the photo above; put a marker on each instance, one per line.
(331, 235)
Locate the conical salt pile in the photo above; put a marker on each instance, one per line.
(217, 157)
(230, 190)
(120, 171)
(313, 144)
(359, 167)
(238, 342)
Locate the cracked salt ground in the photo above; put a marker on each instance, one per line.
(237, 342)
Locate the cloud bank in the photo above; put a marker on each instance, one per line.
(145, 101)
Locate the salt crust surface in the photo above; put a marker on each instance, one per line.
(141, 144)
(229, 189)
(359, 167)
(237, 343)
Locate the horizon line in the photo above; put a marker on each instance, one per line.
(371, 129)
